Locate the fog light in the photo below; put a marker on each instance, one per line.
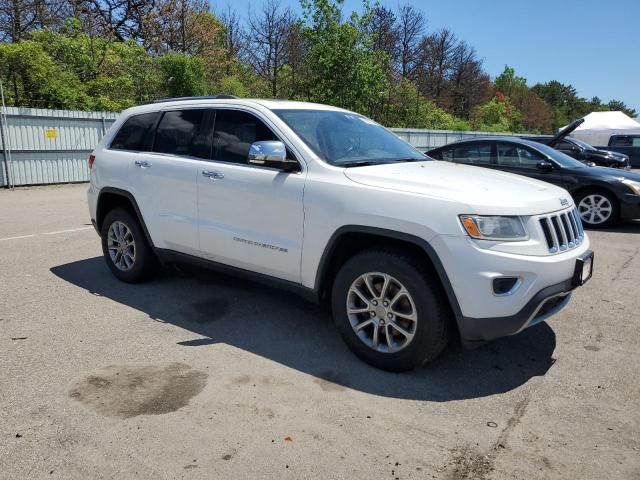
(505, 285)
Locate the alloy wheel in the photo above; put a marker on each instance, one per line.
(381, 312)
(121, 246)
(595, 209)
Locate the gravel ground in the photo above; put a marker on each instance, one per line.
(199, 375)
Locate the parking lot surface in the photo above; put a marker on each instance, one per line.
(200, 375)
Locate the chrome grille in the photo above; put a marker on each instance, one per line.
(563, 230)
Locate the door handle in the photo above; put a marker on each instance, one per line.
(211, 174)
(142, 164)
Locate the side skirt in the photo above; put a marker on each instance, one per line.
(170, 256)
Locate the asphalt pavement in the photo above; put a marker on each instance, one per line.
(199, 375)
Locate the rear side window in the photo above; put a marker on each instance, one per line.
(134, 133)
(181, 132)
(234, 133)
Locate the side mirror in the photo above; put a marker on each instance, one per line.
(544, 166)
(271, 153)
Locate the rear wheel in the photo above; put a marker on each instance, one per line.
(597, 208)
(125, 248)
(392, 314)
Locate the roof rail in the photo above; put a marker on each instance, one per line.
(182, 99)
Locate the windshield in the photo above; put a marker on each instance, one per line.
(584, 145)
(562, 159)
(348, 139)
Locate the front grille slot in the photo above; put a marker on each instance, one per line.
(562, 231)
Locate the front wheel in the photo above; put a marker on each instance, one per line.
(391, 313)
(125, 248)
(597, 208)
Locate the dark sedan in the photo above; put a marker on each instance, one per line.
(584, 152)
(603, 195)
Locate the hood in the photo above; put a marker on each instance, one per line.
(612, 173)
(610, 154)
(485, 191)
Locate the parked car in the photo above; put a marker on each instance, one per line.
(409, 252)
(581, 150)
(625, 144)
(603, 195)
(585, 153)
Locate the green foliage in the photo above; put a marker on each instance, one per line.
(509, 83)
(409, 109)
(343, 68)
(183, 75)
(497, 115)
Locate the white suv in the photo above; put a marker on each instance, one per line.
(325, 202)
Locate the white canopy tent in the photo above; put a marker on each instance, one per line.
(599, 126)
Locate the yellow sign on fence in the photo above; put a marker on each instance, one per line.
(51, 133)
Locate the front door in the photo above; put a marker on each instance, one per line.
(250, 217)
(515, 158)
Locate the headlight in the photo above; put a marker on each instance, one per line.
(633, 185)
(483, 227)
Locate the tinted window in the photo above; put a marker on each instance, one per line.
(619, 141)
(514, 155)
(134, 133)
(564, 145)
(234, 133)
(181, 132)
(562, 159)
(472, 154)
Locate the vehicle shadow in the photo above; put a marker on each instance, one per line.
(629, 226)
(284, 328)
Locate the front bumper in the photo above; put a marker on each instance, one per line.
(629, 206)
(546, 303)
(544, 286)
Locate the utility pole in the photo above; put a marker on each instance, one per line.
(4, 137)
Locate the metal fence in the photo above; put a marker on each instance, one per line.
(39, 146)
(427, 139)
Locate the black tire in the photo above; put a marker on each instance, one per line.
(145, 263)
(433, 313)
(613, 219)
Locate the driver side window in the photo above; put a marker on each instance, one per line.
(234, 132)
(515, 156)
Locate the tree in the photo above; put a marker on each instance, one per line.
(18, 18)
(343, 68)
(233, 37)
(267, 42)
(437, 52)
(183, 75)
(410, 26)
(509, 83)
(118, 20)
(617, 105)
(468, 85)
(381, 25)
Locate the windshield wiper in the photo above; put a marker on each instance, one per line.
(362, 163)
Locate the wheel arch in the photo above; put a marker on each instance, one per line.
(110, 198)
(351, 239)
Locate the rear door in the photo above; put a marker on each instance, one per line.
(250, 216)
(166, 177)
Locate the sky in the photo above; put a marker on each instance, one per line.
(593, 45)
